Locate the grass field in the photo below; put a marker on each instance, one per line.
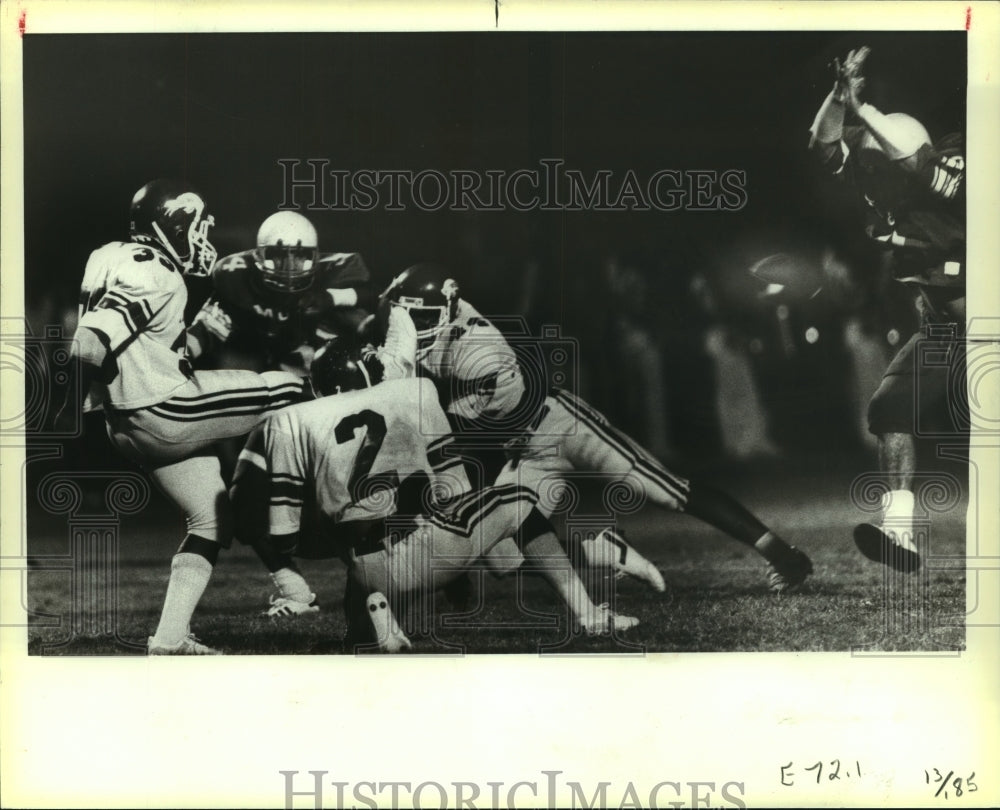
(716, 599)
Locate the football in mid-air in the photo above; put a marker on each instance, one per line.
(789, 275)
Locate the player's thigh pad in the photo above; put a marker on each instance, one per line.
(923, 389)
(591, 444)
(213, 405)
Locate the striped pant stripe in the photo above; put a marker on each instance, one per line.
(479, 505)
(645, 467)
(227, 403)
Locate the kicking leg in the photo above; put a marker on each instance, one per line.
(787, 566)
(596, 445)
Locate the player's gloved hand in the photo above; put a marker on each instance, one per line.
(214, 320)
(849, 80)
(315, 302)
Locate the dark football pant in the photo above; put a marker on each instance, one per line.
(923, 391)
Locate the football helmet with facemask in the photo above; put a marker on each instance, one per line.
(286, 253)
(345, 364)
(885, 161)
(172, 216)
(903, 135)
(429, 294)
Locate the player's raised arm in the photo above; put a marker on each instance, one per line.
(343, 283)
(827, 130)
(398, 352)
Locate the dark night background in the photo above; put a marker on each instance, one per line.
(104, 114)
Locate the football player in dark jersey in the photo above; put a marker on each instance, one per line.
(913, 192)
(273, 307)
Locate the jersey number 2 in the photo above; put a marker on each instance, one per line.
(409, 491)
(370, 444)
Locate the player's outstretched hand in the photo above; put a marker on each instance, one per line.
(855, 60)
(849, 79)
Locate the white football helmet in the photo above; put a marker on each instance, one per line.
(287, 251)
(904, 134)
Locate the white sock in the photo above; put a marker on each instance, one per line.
(189, 574)
(897, 519)
(600, 551)
(292, 585)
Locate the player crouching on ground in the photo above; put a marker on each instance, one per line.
(366, 474)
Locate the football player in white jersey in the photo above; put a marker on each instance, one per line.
(133, 354)
(368, 475)
(482, 388)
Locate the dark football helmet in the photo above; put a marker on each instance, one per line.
(286, 253)
(429, 294)
(173, 217)
(345, 364)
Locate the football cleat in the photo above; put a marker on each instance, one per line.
(189, 645)
(884, 547)
(281, 607)
(789, 572)
(390, 638)
(601, 620)
(610, 549)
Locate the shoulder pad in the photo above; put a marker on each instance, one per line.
(232, 263)
(343, 268)
(138, 263)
